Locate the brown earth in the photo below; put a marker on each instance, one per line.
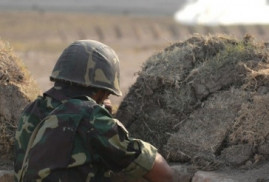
(204, 102)
(17, 89)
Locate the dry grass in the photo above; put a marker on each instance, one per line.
(191, 97)
(17, 89)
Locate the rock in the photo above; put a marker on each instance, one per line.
(237, 154)
(181, 173)
(264, 149)
(203, 176)
(6, 176)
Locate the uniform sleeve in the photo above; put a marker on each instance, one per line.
(144, 162)
(117, 151)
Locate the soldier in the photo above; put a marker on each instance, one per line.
(68, 135)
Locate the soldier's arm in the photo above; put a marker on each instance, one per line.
(132, 157)
(160, 172)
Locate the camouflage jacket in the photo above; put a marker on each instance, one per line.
(76, 140)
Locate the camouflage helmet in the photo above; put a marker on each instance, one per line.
(89, 63)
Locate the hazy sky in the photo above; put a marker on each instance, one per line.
(224, 12)
(207, 12)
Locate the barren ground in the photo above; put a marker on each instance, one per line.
(38, 38)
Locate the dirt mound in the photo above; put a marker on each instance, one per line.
(203, 101)
(17, 89)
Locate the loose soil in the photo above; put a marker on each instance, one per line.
(17, 89)
(204, 102)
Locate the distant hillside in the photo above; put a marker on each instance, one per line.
(38, 38)
(150, 7)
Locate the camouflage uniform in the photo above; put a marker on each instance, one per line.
(76, 140)
(65, 138)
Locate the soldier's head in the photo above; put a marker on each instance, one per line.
(89, 63)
